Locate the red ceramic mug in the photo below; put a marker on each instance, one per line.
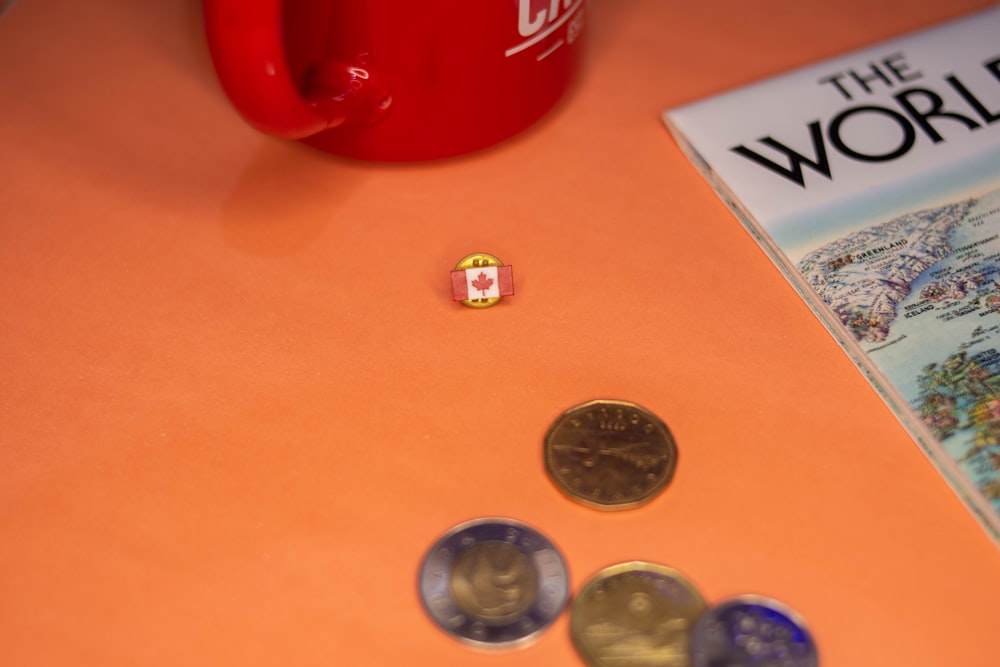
(394, 79)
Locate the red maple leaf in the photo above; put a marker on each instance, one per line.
(482, 283)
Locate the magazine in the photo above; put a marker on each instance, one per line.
(872, 180)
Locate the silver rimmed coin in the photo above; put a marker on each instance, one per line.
(493, 583)
(635, 613)
(752, 631)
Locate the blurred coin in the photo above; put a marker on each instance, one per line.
(752, 631)
(493, 583)
(635, 614)
(610, 454)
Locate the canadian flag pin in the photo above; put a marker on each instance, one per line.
(480, 280)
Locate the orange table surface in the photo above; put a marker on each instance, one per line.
(237, 404)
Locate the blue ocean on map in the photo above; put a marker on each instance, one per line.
(947, 330)
(903, 362)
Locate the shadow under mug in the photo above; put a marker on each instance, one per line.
(393, 80)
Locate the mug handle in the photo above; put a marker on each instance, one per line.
(247, 47)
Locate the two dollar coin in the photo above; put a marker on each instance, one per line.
(493, 583)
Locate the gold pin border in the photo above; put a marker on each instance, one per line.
(472, 261)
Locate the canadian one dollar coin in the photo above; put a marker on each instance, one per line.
(610, 454)
(752, 631)
(636, 614)
(493, 583)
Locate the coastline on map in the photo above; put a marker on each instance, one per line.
(804, 232)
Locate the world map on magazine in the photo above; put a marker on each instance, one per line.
(921, 294)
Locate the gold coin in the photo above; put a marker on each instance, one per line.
(472, 261)
(494, 581)
(610, 454)
(635, 614)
